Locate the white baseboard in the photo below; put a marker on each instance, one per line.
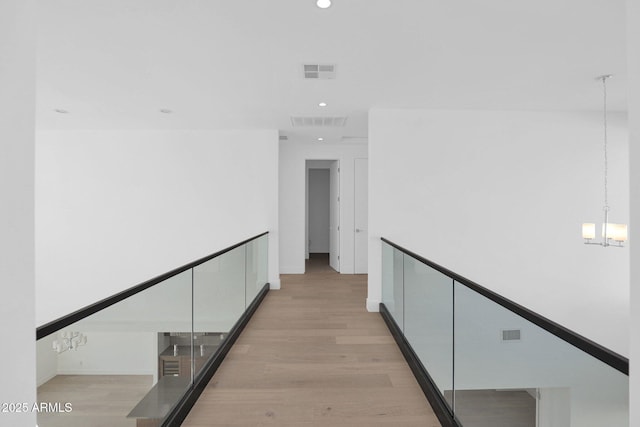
(373, 305)
(99, 372)
(291, 270)
(45, 379)
(274, 284)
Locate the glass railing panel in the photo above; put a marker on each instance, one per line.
(510, 372)
(393, 283)
(125, 365)
(257, 265)
(428, 320)
(218, 302)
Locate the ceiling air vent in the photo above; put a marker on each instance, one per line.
(319, 71)
(300, 121)
(511, 335)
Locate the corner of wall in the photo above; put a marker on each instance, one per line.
(274, 284)
(633, 64)
(373, 305)
(17, 251)
(291, 270)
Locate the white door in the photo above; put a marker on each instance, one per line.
(361, 223)
(334, 220)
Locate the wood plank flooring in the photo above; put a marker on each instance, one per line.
(97, 400)
(313, 356)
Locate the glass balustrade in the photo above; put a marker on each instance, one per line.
(492, 366)
(132, 362)
(393, 282)
(511, 367)
(428, 320)
(218, 301)
(256, 267)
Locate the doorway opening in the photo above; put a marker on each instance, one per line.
(322, 215)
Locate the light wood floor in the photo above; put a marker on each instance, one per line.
(313, 356)
(97, 400)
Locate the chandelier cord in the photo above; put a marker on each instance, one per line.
(606, 159)
(612, 234)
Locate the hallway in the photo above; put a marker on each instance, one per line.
(313, 356)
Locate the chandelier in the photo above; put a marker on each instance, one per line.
(612, 234)
(69, 341)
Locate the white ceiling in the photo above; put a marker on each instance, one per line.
(113, 64)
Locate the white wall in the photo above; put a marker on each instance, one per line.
(554, 407)
(115, 208)
(17, 110)
(633, 49)
(293, 156)
(46, 360)
(499, 197)
(319, 210)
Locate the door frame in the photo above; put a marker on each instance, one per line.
(357, 231)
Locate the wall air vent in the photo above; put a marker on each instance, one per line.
(319, 71)
(300, 121)
(511, 335)
(283, 138)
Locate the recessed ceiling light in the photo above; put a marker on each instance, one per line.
(165, 111)
(61, 111)
(320, 139)
(323, 4)
(323, 104)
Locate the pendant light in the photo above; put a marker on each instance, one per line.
(612, 234)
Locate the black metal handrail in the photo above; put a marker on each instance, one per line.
(611, 358)
(64, 321)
